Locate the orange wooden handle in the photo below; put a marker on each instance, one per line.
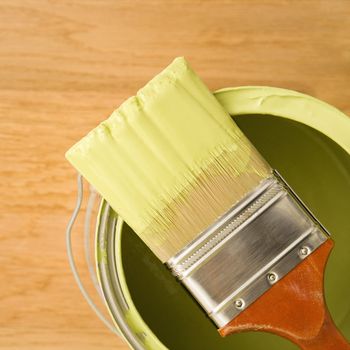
(295, 308)
(328, 337)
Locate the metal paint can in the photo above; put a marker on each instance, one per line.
(151, 310)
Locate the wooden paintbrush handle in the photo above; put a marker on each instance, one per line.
(295, 308)
(328, 337)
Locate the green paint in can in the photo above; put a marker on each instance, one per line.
(154, 311)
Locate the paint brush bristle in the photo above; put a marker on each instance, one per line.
(170, 160)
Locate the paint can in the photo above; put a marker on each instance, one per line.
(151, 310)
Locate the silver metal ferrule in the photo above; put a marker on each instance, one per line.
(251, 247)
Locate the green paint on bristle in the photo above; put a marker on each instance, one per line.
(169, 160)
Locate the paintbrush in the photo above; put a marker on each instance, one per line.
(180, 172)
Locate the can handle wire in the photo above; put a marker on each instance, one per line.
(70, 253)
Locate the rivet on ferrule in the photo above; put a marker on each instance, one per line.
(272, 277)
(239, 304)
(304, 251)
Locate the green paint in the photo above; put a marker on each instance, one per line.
(320, 173)
(144, 154)
(260, 100)
(101, 255)
(132, 316)
(316, 167)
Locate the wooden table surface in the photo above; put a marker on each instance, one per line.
(65, 65)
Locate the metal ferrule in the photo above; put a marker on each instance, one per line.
(257, 242)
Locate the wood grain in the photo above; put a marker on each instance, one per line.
(66, 64)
